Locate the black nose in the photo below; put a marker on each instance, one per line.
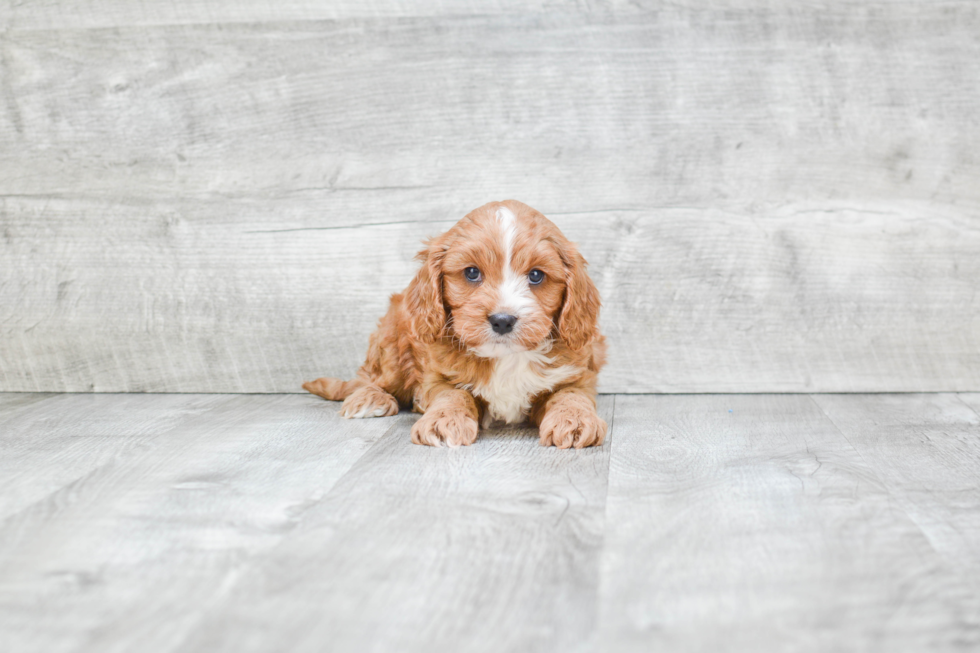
(502, 323)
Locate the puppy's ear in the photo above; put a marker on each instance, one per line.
(580, 309)
(424, 294)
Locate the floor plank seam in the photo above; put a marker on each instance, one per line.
(842, 434)
(967, 404)
(894, 499)
(398, 419)
(589, 644)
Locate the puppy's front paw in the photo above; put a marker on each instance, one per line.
(572, 424)
(449, 425)
(369, 401)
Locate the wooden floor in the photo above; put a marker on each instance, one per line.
(705, 523)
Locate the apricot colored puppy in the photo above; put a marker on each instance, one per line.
(499, 325)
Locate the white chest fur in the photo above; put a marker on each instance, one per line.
(516, 378)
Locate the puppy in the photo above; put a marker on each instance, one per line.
(499, 325)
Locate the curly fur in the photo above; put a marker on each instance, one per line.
(435, 351)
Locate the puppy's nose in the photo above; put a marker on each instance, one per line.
(502, 323)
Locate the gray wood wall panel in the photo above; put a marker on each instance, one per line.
(775, 198)
(59, 14)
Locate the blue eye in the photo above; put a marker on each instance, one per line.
(472, 274)
(535, 277)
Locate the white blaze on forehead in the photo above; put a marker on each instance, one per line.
(507, 221)
(515, 292)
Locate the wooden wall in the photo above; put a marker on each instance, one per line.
(219, 196)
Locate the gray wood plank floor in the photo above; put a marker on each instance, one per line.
(705, 522)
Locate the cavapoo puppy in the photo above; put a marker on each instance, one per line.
(499, 325)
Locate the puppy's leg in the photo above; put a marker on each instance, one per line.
(450, 418)
(389, 371)
(361, 397)
(369, 401)
(568, 419)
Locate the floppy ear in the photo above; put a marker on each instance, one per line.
(580, 309)
(424, 294)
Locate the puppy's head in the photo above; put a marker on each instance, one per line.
(504, 279)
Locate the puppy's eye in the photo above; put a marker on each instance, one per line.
(535, 277)
(472, 274)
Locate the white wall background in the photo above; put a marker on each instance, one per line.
(219, 196)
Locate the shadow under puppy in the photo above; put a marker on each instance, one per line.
(499, 325)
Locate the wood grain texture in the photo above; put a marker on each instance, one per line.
(52, 444)
(925, 449)
(588, 110)
(11, 402)
(751, 523)
(801, 298)
(165, 523)
(58, 14)
(775, 198)
(971, 399)
(126, 516)
(492, 547)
